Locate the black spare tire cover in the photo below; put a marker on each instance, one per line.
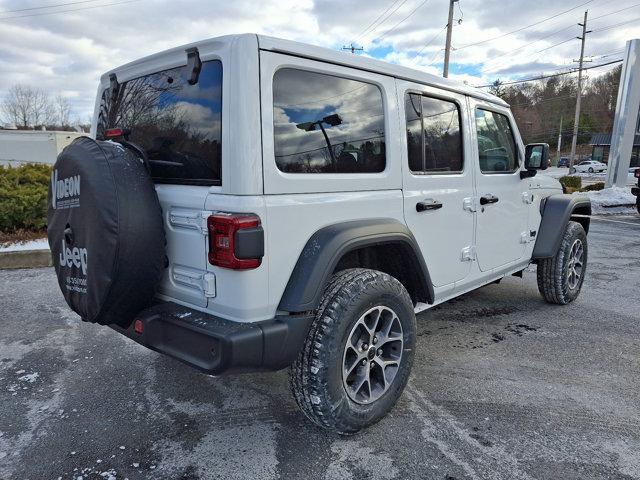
(105, 231)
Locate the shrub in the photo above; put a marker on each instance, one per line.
(23, 197)
(571, 182)
(593, 187)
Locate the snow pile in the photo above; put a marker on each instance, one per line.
(614, 200)
(40, 244)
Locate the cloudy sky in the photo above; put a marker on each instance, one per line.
(64, 47)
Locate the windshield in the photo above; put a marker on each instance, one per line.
(178, 124)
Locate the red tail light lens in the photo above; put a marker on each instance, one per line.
(235, 240)
(113, 133)
(637, 173)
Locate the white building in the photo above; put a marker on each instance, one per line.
(33, 146)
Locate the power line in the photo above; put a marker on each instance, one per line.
(430, 41)
(524, 28)
(48, 6)
(71, 10)
(383, 20)
(401, 21)
(616, 25)
(551, 35)
(550, 76)
(377, 18)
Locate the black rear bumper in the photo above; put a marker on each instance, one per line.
(215, 345)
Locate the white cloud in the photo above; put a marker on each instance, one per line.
(67, 52)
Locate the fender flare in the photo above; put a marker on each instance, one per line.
(328, 245)
(556, 212)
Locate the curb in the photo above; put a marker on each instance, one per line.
(25, 259)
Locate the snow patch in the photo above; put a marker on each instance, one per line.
(614, 200)
(40, 244)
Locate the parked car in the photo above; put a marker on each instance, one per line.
(563, 162)
(636, 189)
(251, 204)
(591, 166)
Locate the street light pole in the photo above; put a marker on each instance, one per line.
(447, 48)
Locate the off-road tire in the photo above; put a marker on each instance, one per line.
(553, 281)
(315, 378)
(638, 204)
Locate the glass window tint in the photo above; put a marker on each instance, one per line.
(327, 124)
(178, 124)
(496, 144)
(434, 139)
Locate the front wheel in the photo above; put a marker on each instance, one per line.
(560, 277)
(358, 355)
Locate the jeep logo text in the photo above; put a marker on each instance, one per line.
(75, 256)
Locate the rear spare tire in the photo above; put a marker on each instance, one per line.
(105, 231)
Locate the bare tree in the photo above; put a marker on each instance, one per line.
(26, 106)
(62, 110)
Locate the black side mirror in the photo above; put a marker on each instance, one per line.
(536, 156)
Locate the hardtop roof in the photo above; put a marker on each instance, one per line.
(326, 55)
(372, 65)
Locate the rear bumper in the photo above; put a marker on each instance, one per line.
(214, 345)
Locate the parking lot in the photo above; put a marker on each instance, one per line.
(504, 387)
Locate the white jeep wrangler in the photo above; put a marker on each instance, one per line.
(247, 203)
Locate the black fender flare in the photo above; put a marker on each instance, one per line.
(327, 246)
(556, 211)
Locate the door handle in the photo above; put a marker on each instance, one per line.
(428, 204)
(486, 199)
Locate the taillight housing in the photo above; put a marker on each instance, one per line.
(637, 173)
(236, 240)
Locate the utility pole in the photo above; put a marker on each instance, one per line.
(559, 138)
(447, 48)
(353, 48)
(576, 121)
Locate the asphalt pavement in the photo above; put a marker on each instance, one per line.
(504, 386)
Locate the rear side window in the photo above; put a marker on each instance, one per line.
(434, 139)
(496, 145)
(178, 124)
(327, 124)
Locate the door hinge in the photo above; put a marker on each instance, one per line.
(196, 220)
(527, 197)
(196, 279)
(469, 204)
(468, 254)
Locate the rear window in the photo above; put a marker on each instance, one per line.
(327, 124)
(178, 124)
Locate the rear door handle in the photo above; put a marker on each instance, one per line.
(485, 200)
(428, 204)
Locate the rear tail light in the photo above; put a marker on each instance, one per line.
(114, 133)
(637, 173)
(236, 240)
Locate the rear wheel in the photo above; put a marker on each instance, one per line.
(638, 204)
(358, 355)
(560, 277)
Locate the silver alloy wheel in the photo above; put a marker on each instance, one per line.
(576, 264)
(372, 355)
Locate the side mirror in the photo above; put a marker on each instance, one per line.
(536, 156)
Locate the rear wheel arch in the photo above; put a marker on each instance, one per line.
(384, 244)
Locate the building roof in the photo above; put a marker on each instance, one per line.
(604, 139)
